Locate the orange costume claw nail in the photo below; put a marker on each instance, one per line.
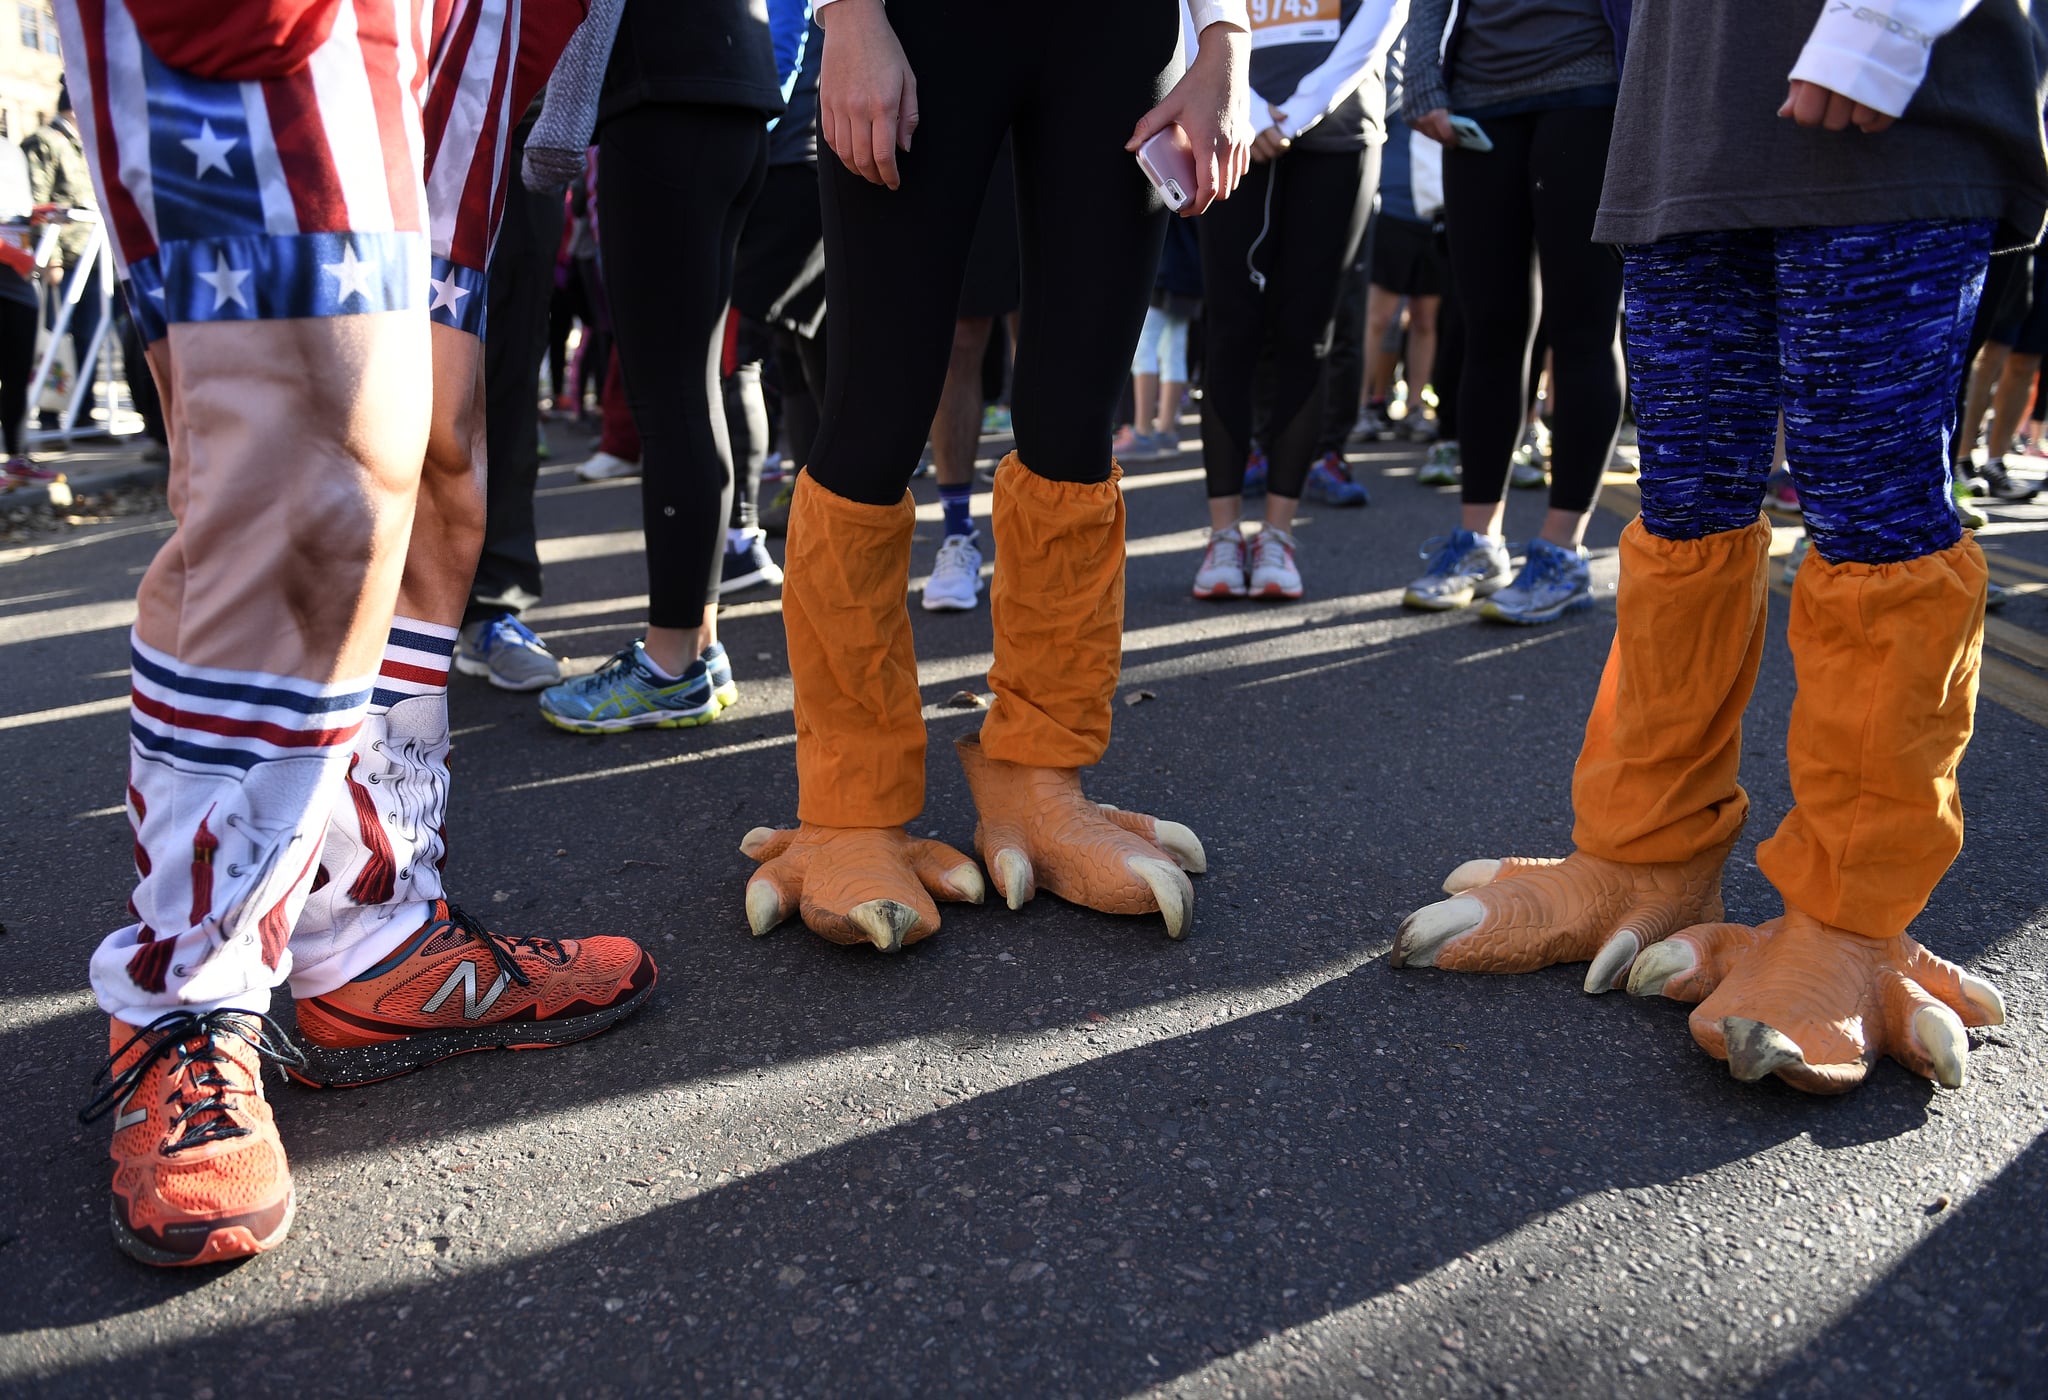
(1517, 915)
(1038, 832)
(856, 884)
(1817, 1005)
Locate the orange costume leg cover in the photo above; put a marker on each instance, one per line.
(849, 867)
(1887, 658)
(1655, 795)
(1058, 607)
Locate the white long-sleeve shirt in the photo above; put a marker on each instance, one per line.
(1876, 51)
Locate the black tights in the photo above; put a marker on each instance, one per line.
(1312, 207)
(675, 181)
(1530, 201)
(1089, 232)
(17, 364)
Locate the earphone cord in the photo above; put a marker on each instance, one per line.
(1265, 227)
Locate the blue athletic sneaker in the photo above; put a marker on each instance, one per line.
(1553, 582)
(1255, 473)
(505, 652)
(625, 693)
(1463, 565)
(1330, 483)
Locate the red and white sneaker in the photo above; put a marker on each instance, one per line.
(199, 1174)
(1222, 573)
(455, 987)
(1274, 573)
(20, 471)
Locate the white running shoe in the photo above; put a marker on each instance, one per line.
(956, 576)
(603, 466)
(1274, 574)
(1222, 571)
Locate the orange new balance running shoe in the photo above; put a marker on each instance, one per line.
(199, 1174)
(455, 987)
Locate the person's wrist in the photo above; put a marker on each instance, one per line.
(850, 11)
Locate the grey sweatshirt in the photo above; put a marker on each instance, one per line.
(1506, 51)
(1698, 144)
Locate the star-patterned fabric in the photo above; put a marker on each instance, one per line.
(288, 197)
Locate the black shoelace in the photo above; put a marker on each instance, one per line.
(503, 947)
(196, 1078)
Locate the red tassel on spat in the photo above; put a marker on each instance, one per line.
(272, 928)
(204, 844)
(151, 963)
(378, 880)
(141, 811)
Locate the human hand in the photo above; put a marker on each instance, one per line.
(1271, 144)
(1810, 104)
(867, 95)
(1436, 125)
(1208, 104)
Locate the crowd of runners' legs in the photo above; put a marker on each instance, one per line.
(352, 234)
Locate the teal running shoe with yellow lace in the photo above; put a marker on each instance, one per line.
(626, 693)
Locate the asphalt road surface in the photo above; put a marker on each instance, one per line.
(1051, 1153)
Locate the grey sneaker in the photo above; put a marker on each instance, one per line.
(1462, 566)
(1553, 582)
(504, 651)
(1527, 470)
(1441, 467)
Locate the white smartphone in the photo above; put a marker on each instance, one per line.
(1470, 135)
(1168, 161)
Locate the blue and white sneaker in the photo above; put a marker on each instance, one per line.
(504, 651)
(1463, 565)
(1256, 470)
(748, 565)
(1553, 582)
(1331, 483)
(625, 693)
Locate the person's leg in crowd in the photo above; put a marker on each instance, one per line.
(1886, 633)
(380, 947)
(494, 643)
(955, 581)
(1173, 383)
(747, 563)
(1382, 310)
(1444, 464)
(299, 411)
(1279, 325)
(1491, 219)
(1582, 305)
(674, 186)
(895, 260)
(1329, 480)
(1423, 309)
(18, 324)
(989, 290)
(618, 439)
(2029, 342)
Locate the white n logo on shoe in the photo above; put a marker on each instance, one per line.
(464, 976)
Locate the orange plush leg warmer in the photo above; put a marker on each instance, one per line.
(1887, 656)
(850, 868)
(1058, 608)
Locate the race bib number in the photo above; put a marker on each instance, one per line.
(1295, 22)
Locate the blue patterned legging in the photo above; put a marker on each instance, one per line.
(1857, 333)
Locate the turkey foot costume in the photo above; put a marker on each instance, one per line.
(1817, 1006)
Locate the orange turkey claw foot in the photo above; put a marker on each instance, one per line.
(1038, 832)
(1519, 914)
(1817, 1005)
(856, 884)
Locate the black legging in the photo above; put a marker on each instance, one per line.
(1531, 200)
(674, 183)
(18, 320)
(1312, 206)
(1089, 231)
